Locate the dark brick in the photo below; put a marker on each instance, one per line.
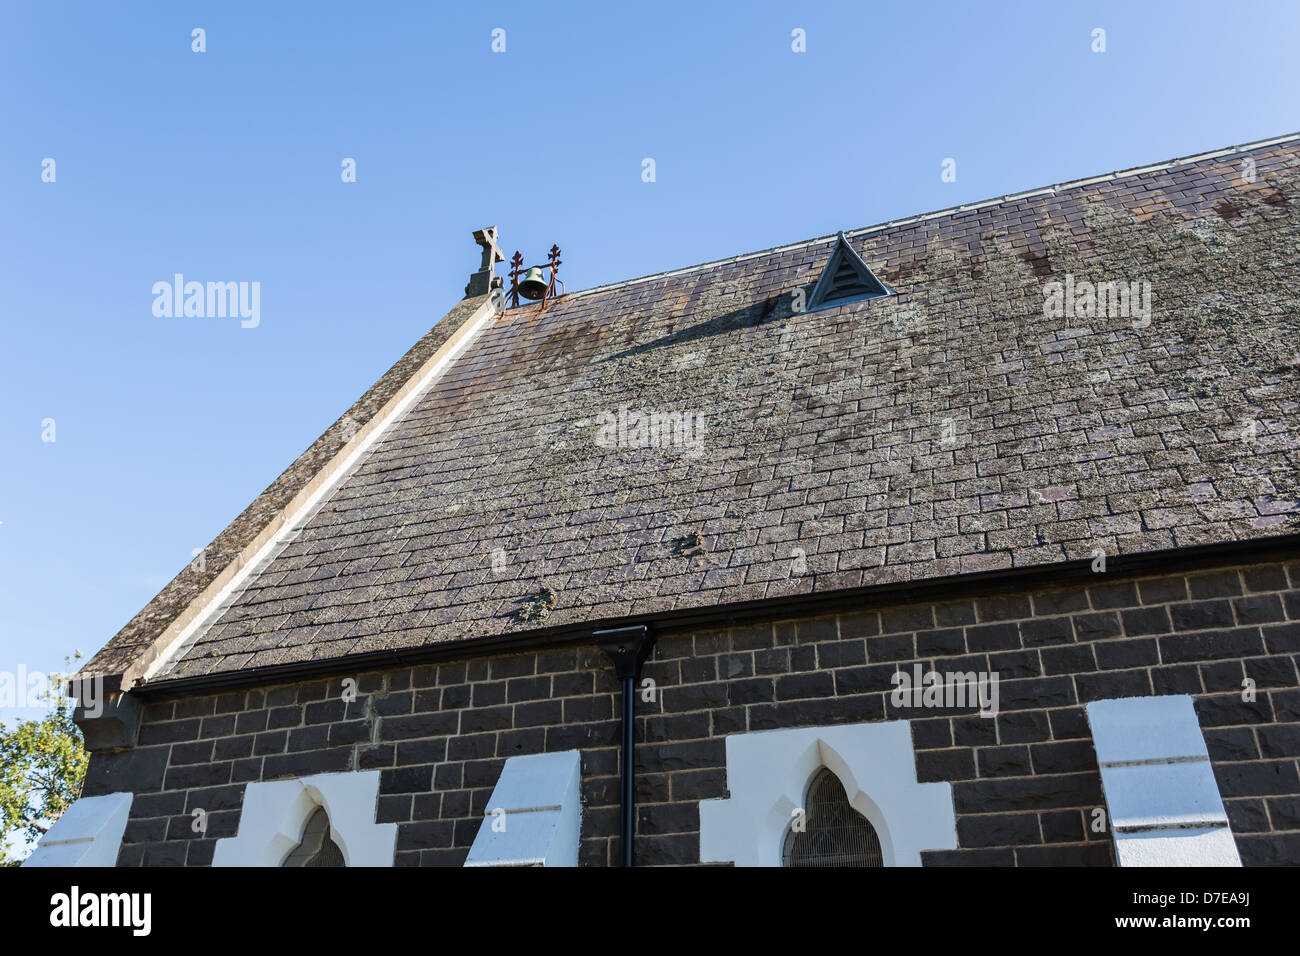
(898, 620)
(405, 780)
(933, 766)
(1046, 630)
(696, 696)
(1004, 761)
(1108, 684)
(1282, 638)
(1096, 627)
(1201, 615)
(941, 643)
(931, 734)
(1235, 743)
(1275, 849)
(829, 655)
(303, 764)
(974, 731)
(1073, 756)
(1068, 659)
(1229, 709)
(803, 686)
(1257, 778)
(1208, 645)
(992, 637)
(1027, 793)
(1065, 601)
(997, 829)
(1026, 727)
(1258, 609)
(1284, 812)
(999, 857)
(896, 647)
(1069, 723)
(1215, 584)
(1036, 692)
(1090, 854)
(1145, 620)
(1115, 655)
(954, 615)
(1062, 826)
(197, 775)
(1247, 816)
(489, 694)
(1007, 607)
(1279, 740)
(1113, 595)
(1180, 679)
(1265, 577)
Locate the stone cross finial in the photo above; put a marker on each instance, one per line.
(481, 281)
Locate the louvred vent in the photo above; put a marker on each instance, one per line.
(846, 278)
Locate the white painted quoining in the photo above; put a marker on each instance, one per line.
(534, 815)
(768, 773)
(275, 812)
(1164, 803)
(89, 833)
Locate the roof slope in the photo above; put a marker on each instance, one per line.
(953, 427)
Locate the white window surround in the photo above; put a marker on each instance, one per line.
(533, 817)
(1164, 803)
(89, 833)
(276, 811)
(769, 771)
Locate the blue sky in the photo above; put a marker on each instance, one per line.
(225, 166)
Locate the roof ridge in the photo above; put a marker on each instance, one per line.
(962, 207)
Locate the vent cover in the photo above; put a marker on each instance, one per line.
(834, 833)
(846, 278)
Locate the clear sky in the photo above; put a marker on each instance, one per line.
(225, 165)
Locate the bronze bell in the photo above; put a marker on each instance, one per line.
(533, 285)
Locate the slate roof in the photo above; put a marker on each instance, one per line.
(953, 427)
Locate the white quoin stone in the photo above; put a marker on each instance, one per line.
(88, 834)
(1164, 804)
(534, 815)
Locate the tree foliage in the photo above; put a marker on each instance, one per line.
(42, 766)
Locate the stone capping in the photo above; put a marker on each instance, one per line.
(1164, 804)
(275, 813)
(768, 773)
(89, 833)
(533, 817)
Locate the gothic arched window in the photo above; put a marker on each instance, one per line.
(316, 847)
(831, 832)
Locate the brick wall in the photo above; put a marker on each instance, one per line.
(1024, 783)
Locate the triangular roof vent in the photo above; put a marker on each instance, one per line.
(846, 278)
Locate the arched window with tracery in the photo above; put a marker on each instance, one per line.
(316, 847)
(831, 832)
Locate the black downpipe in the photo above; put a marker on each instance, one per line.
(627, 647)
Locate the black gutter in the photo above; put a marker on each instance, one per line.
(627, 647)
(865, 597)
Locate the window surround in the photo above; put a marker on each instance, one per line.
(768, 773)
(275, 813)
